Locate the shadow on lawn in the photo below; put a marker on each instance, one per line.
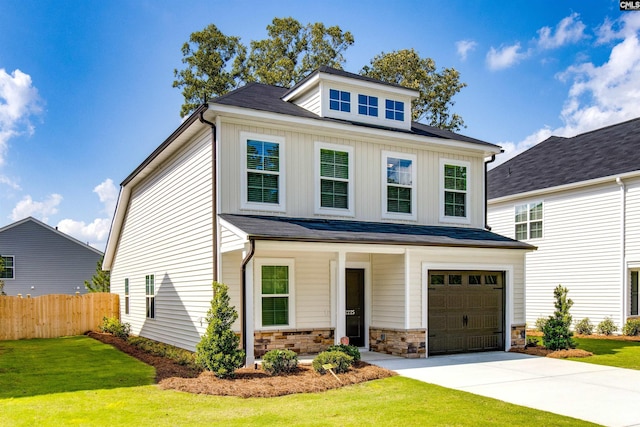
(606, 346)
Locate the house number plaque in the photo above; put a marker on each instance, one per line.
(351, 312)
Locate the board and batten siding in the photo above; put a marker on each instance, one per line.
(367, 176)
(168, 232)
(46, 262)
(580, 250)
(387, 291)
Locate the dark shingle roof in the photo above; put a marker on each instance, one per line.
(558, 161)
(345, 231)
(258, 96)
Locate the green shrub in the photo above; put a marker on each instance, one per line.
(351, 350)
(218, 350)
(584, 327)
(607, 327)
(540, 322)
(179, 355)
(278, 362)
(113, 326)
(532, 342)
(556, 332)
(632, 327)
(341, 361)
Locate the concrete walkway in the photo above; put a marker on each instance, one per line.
(600, 394)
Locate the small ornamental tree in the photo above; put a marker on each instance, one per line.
(101, 281)
(556, 332)
(218, 350)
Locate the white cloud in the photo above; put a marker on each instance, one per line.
(97, 231)
(5, 180)
(41, 210)
(504, 57)
(464, 47)
(568, 30)
(19, 100)
(599, 95)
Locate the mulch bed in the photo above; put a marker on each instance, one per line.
(248, 382)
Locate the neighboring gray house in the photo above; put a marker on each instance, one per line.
(41, 260)
(578, 200)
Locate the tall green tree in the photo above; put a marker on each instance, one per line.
(101, 281)
(436, 89)
(213, 67)
(294, 50)
(557, 334)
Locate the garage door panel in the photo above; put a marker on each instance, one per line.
(465, 311)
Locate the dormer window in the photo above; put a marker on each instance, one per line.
(339, 100)
(394, 110)
(368, 105)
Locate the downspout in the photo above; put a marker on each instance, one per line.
(486, 196)
(214, 192)
(243, 296)
(623, 237)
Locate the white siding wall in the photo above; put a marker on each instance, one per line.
(311, 101)
(299, 171)
(387, 291)
(580, 250)
(168, 232)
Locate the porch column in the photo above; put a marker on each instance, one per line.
(341, 302)
(250, 324)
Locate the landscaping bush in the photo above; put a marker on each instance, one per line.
(218, 350)
(632, 327)
(540, 322)
(584, 327)
(278, 362)
(556, 332)
(607, 327)
(351, 350)
(179, 355)
(341, 361)
(113, 326)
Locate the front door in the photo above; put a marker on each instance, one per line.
(355, 306)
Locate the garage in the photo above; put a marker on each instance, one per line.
(465, 311)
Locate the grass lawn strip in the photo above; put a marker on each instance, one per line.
(611, 352)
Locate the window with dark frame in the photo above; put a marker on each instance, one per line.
(150, 296)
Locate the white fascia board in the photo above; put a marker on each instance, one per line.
(565, 187)
(235, 230)
(288, 245)
(116, 228)
(302, 88)
(242, 113)
(401, 91)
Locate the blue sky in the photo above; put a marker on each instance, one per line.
(86, 86)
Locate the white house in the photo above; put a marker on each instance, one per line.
(578, 200)
(40, 260)
(328, 213)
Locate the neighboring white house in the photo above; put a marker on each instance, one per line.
(40, 260)
(578, 200)
(328, 213)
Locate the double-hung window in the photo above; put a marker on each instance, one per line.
(263, 183)
(368, 105)
(454, 190)
(275, 286)
(634, 293)
(9, 268)
(334, 170)
(394, 110)
(528, 220)
(398, 185)
(339, 100)
(150, 296)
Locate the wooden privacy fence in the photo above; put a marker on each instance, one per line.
(51, 316)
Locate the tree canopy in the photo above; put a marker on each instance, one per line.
(216, 64)
(101, 280)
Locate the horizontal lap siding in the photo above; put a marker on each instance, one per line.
(367, 174)
(387, 291)
(231, 275)
(168, 232)
(633, 222)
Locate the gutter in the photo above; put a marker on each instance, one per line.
(623, 232)
(486, 190)
(243, 295)
(214, 190)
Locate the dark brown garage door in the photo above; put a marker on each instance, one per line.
(466, 311)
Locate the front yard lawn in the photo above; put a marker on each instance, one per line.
(611, 352)
(79, 381)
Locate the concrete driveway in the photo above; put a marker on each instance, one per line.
(600, 394)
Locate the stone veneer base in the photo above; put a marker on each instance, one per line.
(302, 341)
(409, 343)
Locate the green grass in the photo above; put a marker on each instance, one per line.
(94, 393)
(622, 354)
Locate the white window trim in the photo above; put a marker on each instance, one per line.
(282, 189)
(385, 185)
(528, 221)
(455, 219)
(333, 211)
(257, 272)
(14, 267)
